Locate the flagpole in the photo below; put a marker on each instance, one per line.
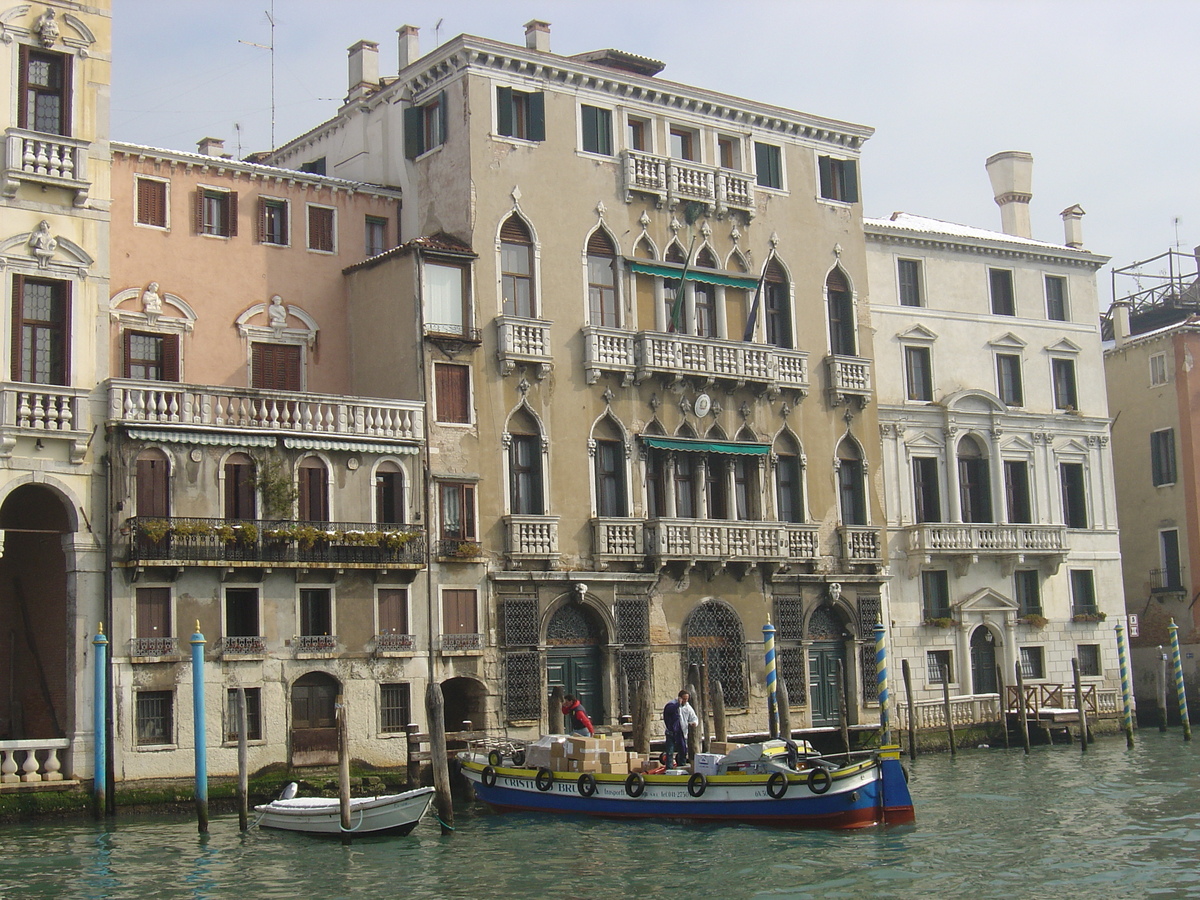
(677, 309)
(752, 319)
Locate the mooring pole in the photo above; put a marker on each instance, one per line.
(908, 695)
(1126, 691)
(99, 709)
(1023, 712)
(946, 707)
(881, 676)
(243, 762)
(702, 712)
(1179, 689)
(769, 654)
(692, 737)
(435, 710)
(784, 709)
(1001, 692)
(843, 716)
(642, 716)
(1083, 728)
(720, 731)
(695, 687)
(1162, 690)
(412, 766)
(198, 722)
(343, 768)
(555, 718)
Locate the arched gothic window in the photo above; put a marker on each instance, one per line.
(516, 268)
(714, 638)
(842, 333)
(602, 280)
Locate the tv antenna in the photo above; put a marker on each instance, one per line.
(437, 33)
(271, 48)
(1175, 221)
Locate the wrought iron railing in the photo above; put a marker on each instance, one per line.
(316, 643)
(457, 642)
(459, 549)
(394, 642)
(1167, 581)
(154, 646)
(244, 644)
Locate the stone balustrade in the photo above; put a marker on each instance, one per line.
(521, 340)
(932, 538)
(860, 544)
(532, 537)
(46, 159)
(849, 379)
(23, 757)
(674, 181)
(44, 412)
(615, 538)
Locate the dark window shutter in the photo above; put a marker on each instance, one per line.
(453, 393)
(599, 244)
(514, 231)
(262, 220)
(23, 89)
(504, 111)
(64, 335)
(198, 210)
(170, 357)
(152, 482)
(414, 132)
(231, 212)
(468, 511)
(66, 93)
(837, 281)
(591, 129)
(825, 164)
(537, 117)
(604, 129)
(126, 352)
(17, 330)
(850, 180)
(444, 115)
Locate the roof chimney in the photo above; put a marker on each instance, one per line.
(410, 45)
(537, 36)
(1011, 174)
(1072, 218)
(1120, 322)
(364, 69)
(211, 146)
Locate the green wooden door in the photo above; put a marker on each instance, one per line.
(823, 659)
(577, 671)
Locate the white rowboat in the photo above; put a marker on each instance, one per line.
(393, 814)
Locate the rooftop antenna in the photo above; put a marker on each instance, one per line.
(437, 33)
(1175, 222)
(237, 129)
(269, 47)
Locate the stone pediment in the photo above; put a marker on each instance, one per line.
(917, 332)
(1064, 345)
(1016, 443)
(974, 401)
(986, 600)
(1008, 341)
(923, 440)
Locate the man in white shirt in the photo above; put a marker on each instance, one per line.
(679, 716)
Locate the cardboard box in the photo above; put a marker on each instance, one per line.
(579, 744)
(616, 768)
(706, 763)
(586, 765)
(723, 747)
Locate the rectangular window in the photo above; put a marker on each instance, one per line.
(685, 489)
(683, 143)
(521, 115)
(610, 478)
(638, 134)
(151, 202)
(154, 718)
(458, 612)
(241, 612)
(1028, 590)
(839, 179)
(597, 130)
(1056, 298)
(216, 212)
(1001, 284)
(254, 730)
(1062, 373)
(453, 385)
(935, 594)
(768, 165)
(41, 323)
(1158, 369)
(789, 488)
(424, 127)
(316, 612)
(1089, 660)
(909, 274)
(1033, 663)
(445, 299)
(389, 496)
(729, 152)
(272, 221)
(1074, 495)
(1171, 577)
(525, 475)
(393, 610)
(395, 711)
(917, 374)
(376, 233)
(1162, 456)
(321, 233)
(456, 506)
(705, 303)
(276, 367)
(151, 357)
(1016, 491)
(1008, 379)
(154, 621)
(1083, 593)
(926, 490)
(312, 501)
(937, 666)
(44, 93)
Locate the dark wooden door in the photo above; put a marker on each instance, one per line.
(314, 723)
(577, 671)
(983, 662)
(823, 659)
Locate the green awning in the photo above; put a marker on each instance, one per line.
(689, 445)
(204, 438)
(322, 443)
(743, 282)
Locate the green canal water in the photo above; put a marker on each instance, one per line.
(1111, 823)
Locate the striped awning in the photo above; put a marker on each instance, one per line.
(324, 443)
(691, 445)
(744, 282)
(204, 438)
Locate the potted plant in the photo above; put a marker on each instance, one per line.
(155, 529)
(1034, 619)
(939, 621)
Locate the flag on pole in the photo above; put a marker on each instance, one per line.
(676, 323)
(752, 319)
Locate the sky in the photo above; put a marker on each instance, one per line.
(1096, 90)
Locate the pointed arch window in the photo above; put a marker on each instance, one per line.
(789, 486)
(851, 485)
(777, 306)
(610, 472)
(313, 490)
(602, 280)
(516, 268)
(525, 468)
(841, 315)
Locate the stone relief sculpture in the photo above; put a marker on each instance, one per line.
(151, 301)
(42, 244)
(46, 28)
(277, 312)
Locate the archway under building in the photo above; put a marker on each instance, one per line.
(314, 719)
(464, 700)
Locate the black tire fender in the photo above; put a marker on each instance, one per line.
(489, 776)
(518, 758)
(494, 758)
(777, 785)
(635, 784)
(697, 784)
(586, 784)
(819, 780)
(544, 780)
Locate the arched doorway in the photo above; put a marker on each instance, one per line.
(463, 700)
(827, 649)
(716, 640)
(36, 637)
(314, 720)
(573, 661)
(983, 661)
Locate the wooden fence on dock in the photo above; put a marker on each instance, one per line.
(1043, 703)
(418, 757)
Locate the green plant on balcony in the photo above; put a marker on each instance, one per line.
(468, 550)
(184, 529)
(1034, 619)
(395, 540)
(1089, 617)
(226, 533)
(307, 535)
(284, 534)
(939, 621)
(155, 529)
(273, 480)
(248, 534)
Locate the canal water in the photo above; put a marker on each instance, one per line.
(990, 823)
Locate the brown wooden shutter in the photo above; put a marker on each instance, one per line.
(837, 281)
(23, 88)
(468, 511)
(276, 367)
(170, 357)
(154, 612)
(262, 220)
(514, 231)
(231, 211)
(66, 94)
(393, 612)
(17, 319)
(452, 383)
(152, 488)
(599, 244)
(65, 333)
(126, 353)
(198, 211)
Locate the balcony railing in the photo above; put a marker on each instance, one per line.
(614, 538)
(708, 539)
(674, 180)
(393, 642)
(849, 379)
(452, 331)
(189, 541)
(45, 159)
(532, 537)
(523, 340)
(249, 644)
(48, 768)
(739, 362)
(802, 542)
(316, 643)
(154, 647)
(860, 544)
(44, 412)
(1167, 581)
(459, 642)
(205, 406)
(987, 539)
(460, 549)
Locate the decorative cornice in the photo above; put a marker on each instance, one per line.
(984, 247)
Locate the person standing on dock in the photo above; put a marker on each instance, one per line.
(679, 716)
(577, 722)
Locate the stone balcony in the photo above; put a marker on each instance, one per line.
(531, 537)
(520, 340)
(617, 539)
(207, 408)
(44, 412)
(972, 542)
(696, 540)
(860, 545)
(674, 181)
(637, 356)
(46, 160)
(849, 380)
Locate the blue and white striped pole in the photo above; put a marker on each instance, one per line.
(769, 650)
(99, 721)
(198, 721)
(885, 729)
(1179, 691)
(1126, 692)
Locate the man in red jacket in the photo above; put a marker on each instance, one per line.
(578, 722)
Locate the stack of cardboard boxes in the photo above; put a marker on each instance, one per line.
(605, 755)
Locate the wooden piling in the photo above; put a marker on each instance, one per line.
(912, 712)
(643, 717)
(243, 788)
(720, 730)
(412, 765)
(1022, 710)
(703, 711)
(1003, 711)
(343, 768)
(435, 710)
(842, 713)
(554, 725)
(693, 733)
(785, 709)
(623, 700)
(1083, 726)
(1161, 677)
(946, 708)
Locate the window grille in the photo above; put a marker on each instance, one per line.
(523, 685)
(519, 622)
(869, 614)
(870, 681)
(790, 663)
(633, 620)
(824, 625)
(572, 624)
(789, 617)
(714, 634)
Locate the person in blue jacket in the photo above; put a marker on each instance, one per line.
(678, 716)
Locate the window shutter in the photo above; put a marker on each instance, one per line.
(66, 94)
(18, 292)
(231, 211)
(837, 281)
(23, 88)
(170, 357)
(825, 165)
(444, 115)
(126, 349)
(504, 111)
(414, 132)
(468, 511)
(591, 129)
(514, 231)
(850, 180)
(198, 211)
(262, 220)
(599, 244)
(64, 339)
(537, 117)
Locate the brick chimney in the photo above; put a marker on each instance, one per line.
(410, 45)
(1120, 322)
(1011, 174)
(364, 70)
(211, 146)
(537, 36)
(1072, 218)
